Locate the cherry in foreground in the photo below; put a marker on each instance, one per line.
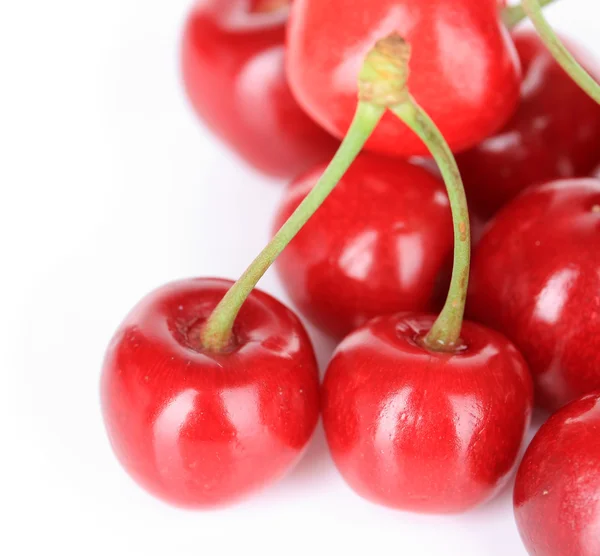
(201, 428)
(536, 279)
(557, 492)
(421, 430)
(381, 243)
(233, 69)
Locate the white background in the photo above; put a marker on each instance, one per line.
(110, 187)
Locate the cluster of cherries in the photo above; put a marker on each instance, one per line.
(210, 389)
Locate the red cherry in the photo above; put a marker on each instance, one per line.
(536, 278)
(554, 134)
(421, 430)
(557, 493)
(200, 429)
(381, 243)
(232, 59)
(464, 70)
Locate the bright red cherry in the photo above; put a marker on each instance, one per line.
(554, 134)
(381, 243)
(420, 430)
(197, 428)
(536, 279)
(557, 492)
(464, 70)
(232, 60)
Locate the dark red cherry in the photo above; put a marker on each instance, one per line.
(555, 133)
(536, 278)
(232, 60)
(201, 429)
(557, 492)
(420, 430)
(464, 70)
(381, 243)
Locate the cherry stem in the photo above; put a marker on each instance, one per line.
(217, 331)
(557, 48)
(513, 15)
(445, 332)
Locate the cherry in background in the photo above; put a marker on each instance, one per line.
(464, 68)
(233, 69)
(555, 133)
(536, 279)
(201, 428)
(381, 243)
(420, 430)
(557, 492)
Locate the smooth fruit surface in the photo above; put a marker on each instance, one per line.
(554, 134)
(200, 429)
(381, 243)
(536, 278)
(233, 70)
(464, 70)
(557, 492)
(420, 430)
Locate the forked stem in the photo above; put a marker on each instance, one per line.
(382, 86)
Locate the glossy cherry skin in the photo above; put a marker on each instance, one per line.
(536, 278)
(233, 70)
(381, 243)
(464, 70)
(557, 492)
(200, 429)
(554, 134)
(425, 431)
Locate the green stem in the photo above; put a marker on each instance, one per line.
(513, 15)
(445, 333)
(561, 54)
(216, 334)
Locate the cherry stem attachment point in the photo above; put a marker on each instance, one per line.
(513, 15)
(557, 49)
(217, 331)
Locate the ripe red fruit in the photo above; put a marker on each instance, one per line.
(233, 70)
(554, 134)
(381, 243)
(421, 430)
(536, 278)
(200, 429)
(464, 70)
(557, 492)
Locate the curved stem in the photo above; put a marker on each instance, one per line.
(561, 54)
(217, 330)
(513, 15)
(445, 332)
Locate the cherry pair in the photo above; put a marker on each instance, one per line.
(208, 395)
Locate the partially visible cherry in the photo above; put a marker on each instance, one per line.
(421, 430)
(464, 69)
(199, 428)
(554, 134)
(536, 278)
(232, 61)
(381, 243)
(557, 492)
